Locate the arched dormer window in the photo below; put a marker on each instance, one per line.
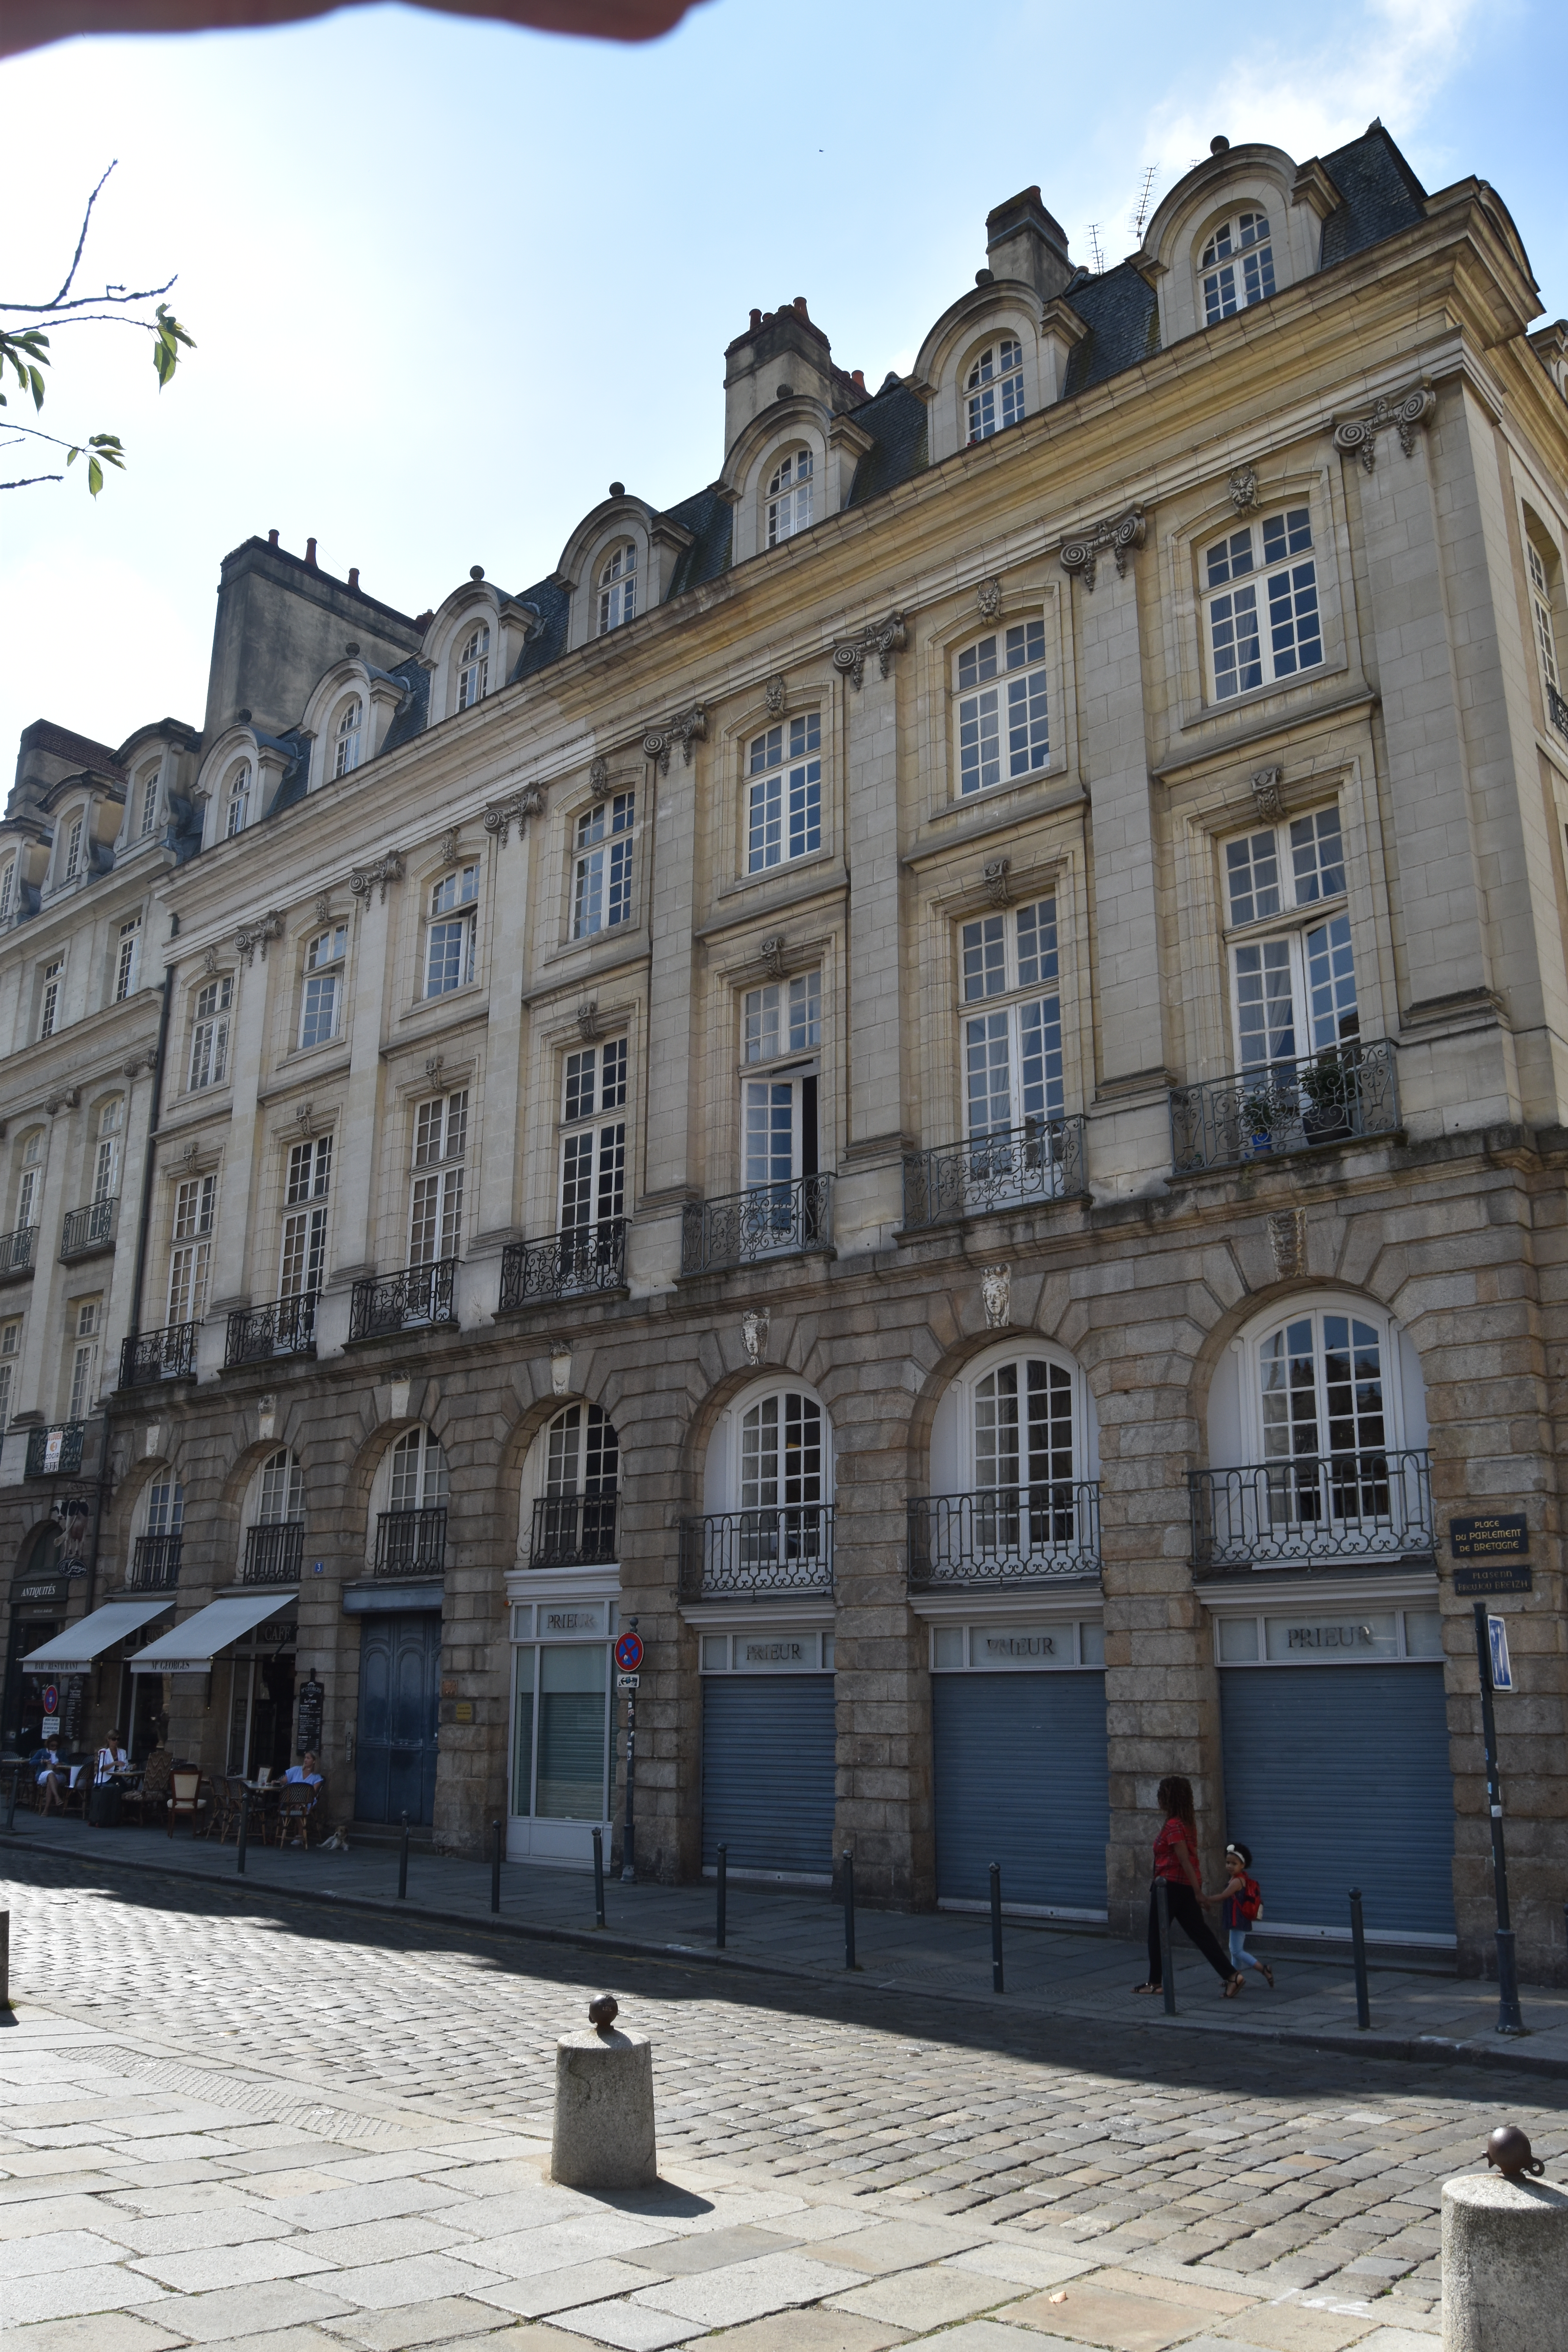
(474, 667)
(236, 801)
(345, 737)
(618, 587)
(7, 890)
(1237, 266)
(72, 865)
(994, 388)
(790, 497)
(147, 821)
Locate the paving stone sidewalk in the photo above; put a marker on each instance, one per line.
(1415, 2011)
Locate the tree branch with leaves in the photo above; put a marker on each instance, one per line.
(26, 351)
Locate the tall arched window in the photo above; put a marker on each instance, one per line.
(275, 1540)
(994, 388)
(789, 497)
(474, 666)
(617, 588)
(575, 1518)
(236, 801)
(1237, 266)
(419, 1473)
(1015, 1460)
(155, 1562)
(411, 1534)
(345, 742)
(768, 1496)
(281, 1489)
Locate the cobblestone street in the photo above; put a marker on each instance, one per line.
(1269, 2198)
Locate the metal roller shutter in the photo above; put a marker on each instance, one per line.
(768, 1772)
(1021, 1780)
(1338, 1776)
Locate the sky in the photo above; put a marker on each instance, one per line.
(449, 278)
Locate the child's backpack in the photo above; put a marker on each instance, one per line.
(1249, 1903)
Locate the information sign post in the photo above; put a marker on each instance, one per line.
(1509, 2020)
(628, 1658)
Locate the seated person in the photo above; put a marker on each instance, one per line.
(304, 1771)
(112, 1761)
(53, 1776)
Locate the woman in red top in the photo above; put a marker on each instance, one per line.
(1176, 1862)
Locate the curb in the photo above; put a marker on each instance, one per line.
(1419, 2050)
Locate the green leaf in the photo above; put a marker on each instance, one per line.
(37, 383)
(71, 457)
(94, 476)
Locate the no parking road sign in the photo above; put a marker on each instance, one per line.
(629, 1652)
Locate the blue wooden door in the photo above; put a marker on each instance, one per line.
(399, 1705)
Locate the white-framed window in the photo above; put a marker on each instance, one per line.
(190, 1247)
(304, 1249)
(994, 388)
(236, 801)
(779, 1110)
(85, 1316)
(1013, 1444)
(1261, 590)
(419, 1473)
(1012, 1020)
(1544, 618)
(1293, 989)
(149, 806)
(617, 588)
(322, 999)
(10, 1350)
(1237, 266)
(594, 1141)
(789, 496)
(281, 1490)
(7, 890)
(783, 792)
(583, 1453)
(602, 869)
(209, 1035)
(106, 1157)
(73, 850)
(347, 736)
(474, 667)
(165, 1505)
(1004, 706)
(49, 999)
(29, 1179)
(127, 958)
(436, 1199)
(784, 1017)
(450, 937)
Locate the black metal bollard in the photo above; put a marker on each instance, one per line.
(598, 1878)
(495, 1865)
(1167, 1973)
(995, 1926)
(723, 1894)
(1358, 1953)
(403, 1862)
(850, 1960)
(240, 1834)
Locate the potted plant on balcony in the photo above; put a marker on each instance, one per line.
(1327, 1090)
(1265, 1109)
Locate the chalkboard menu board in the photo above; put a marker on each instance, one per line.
(308, 1735)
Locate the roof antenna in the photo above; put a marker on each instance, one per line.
(1143, 206)
(1094, 248)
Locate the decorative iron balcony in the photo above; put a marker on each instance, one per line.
(56, 1452)
(588, 1257)
(273, 1552)
(1004, 1534)
(1557, 710)
(770, 1221)
(16, 1251)
(148, 1357)
(411, 1543)
(155, 1563)
(731, 1555)
(89, 1229)
(1282, 1106)
(419, 1295)
(1008, 1169)
(1308, 1510)
(286, 1328)
(573, 1531)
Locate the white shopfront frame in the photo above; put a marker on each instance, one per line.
(546, 1612)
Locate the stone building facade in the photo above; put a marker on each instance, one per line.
(934, 1078)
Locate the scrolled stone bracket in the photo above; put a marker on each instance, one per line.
(516, 809)
(883, 638)
(1406, 413)
(378, 870)
(687, 728)
(256, 935)
(1117, 535)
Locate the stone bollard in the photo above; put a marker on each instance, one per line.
(603, 2106)
(1505, 2255)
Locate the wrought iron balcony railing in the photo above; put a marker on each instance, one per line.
(1313, 1509)
(155, 1563)
(16, 1251)
(731, 1555)
(419, 1295)
(89, 1229)
(1557, 710)
(1008, 1169)
(588, 1257)
(148, 1357)
(273, 1552)
(769, 1221)
(1281, 1107)
(1004, 1535)
(411, 1543)
(573, 1531)
(286, 1328)
(56, 1452)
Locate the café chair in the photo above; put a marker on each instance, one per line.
(185, 1798)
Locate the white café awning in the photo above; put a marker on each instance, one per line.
(190, 1648)
(73, 1652)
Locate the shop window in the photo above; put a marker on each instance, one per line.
(1004, 706)
(1261, 604)
(783, 792)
